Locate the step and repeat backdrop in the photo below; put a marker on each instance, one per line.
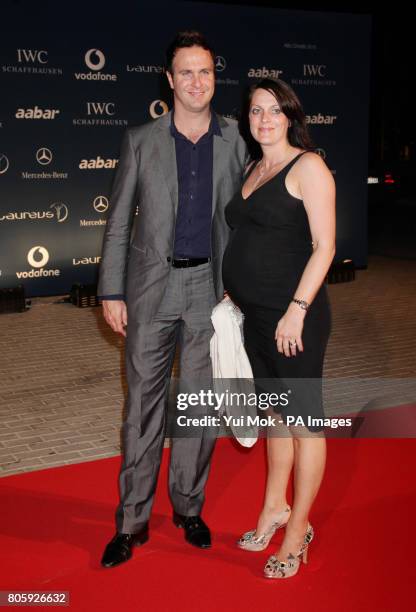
(71, 83)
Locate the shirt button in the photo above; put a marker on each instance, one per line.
(193, 172)
(192, 197)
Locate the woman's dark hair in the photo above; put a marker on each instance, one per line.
(297, 134)
(188, 38)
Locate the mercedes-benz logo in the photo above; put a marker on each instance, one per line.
(321, 153)
(61, 211)
(220, 63)
(38, 251)
(158, 108)
(4, 163)
(100, 204)
(44, 156)
(98, 55)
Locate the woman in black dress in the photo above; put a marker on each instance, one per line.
(281, 247)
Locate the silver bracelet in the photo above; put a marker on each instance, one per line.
(304, 305)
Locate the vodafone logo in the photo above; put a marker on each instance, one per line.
(95, 59)
(38, 257)
(158, 108)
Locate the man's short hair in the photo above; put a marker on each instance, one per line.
(188, 38)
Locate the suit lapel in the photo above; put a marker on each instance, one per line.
(165, 146)
(220, 154)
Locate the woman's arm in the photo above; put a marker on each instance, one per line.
(317, 189)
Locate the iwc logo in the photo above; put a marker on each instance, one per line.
(158, 108)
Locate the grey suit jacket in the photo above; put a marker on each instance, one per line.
(136, 248)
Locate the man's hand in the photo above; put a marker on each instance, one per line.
(115, 313)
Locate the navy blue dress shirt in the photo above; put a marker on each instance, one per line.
(195, 167)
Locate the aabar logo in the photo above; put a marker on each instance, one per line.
(158, 108)
(314, 70)
(264, 73)
(95, 59)
(321, 119)
(37, 113)
(32, 56)
(97, 163)
(101, 108)
(38, 257)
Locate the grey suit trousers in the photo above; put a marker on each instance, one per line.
(183, 316)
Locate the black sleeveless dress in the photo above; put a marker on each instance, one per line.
(268, 250)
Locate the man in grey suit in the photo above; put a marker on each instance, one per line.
(159, 280)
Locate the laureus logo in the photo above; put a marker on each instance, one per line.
(38, 257)
(4, 163)
(158, 108)
(61, 211)
(95, 59)
(100, 204)
(44, 156)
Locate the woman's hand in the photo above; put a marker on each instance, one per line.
(288, 334)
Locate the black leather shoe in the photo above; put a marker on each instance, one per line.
(118, 550)
(196, 532)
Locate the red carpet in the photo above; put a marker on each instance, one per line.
(55, 523)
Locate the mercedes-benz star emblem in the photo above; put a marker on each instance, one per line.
(100, 204)
(44, 156)
(220, 63)
(4, 163)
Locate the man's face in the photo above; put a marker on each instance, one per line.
(192, 78)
